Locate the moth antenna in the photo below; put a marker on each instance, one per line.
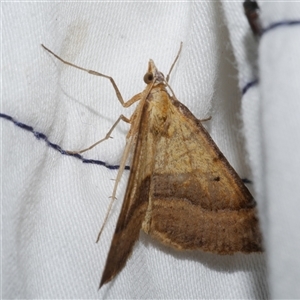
(167, 84)
(119, 175)
(173, 64)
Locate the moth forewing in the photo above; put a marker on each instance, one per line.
(130, 142)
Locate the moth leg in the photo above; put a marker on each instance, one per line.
(206, 119)
(120, 172)
(107, 136)
(119, 96)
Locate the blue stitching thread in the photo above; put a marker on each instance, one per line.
(279, 24)
(270, 27)
(249, 85)
(42, 136)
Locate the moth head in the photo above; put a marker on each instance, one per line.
(153, 75)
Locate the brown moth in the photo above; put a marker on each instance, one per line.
(181, 190)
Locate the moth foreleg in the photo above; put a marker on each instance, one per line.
(119, 96)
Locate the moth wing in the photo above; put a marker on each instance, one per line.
(197, 199)
(134, 205)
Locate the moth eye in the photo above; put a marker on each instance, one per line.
(148, 77)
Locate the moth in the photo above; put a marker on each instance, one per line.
(251, 10)
(181, 189)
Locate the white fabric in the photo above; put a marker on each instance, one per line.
(271, 117)
(53, 205)
(280, 111)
